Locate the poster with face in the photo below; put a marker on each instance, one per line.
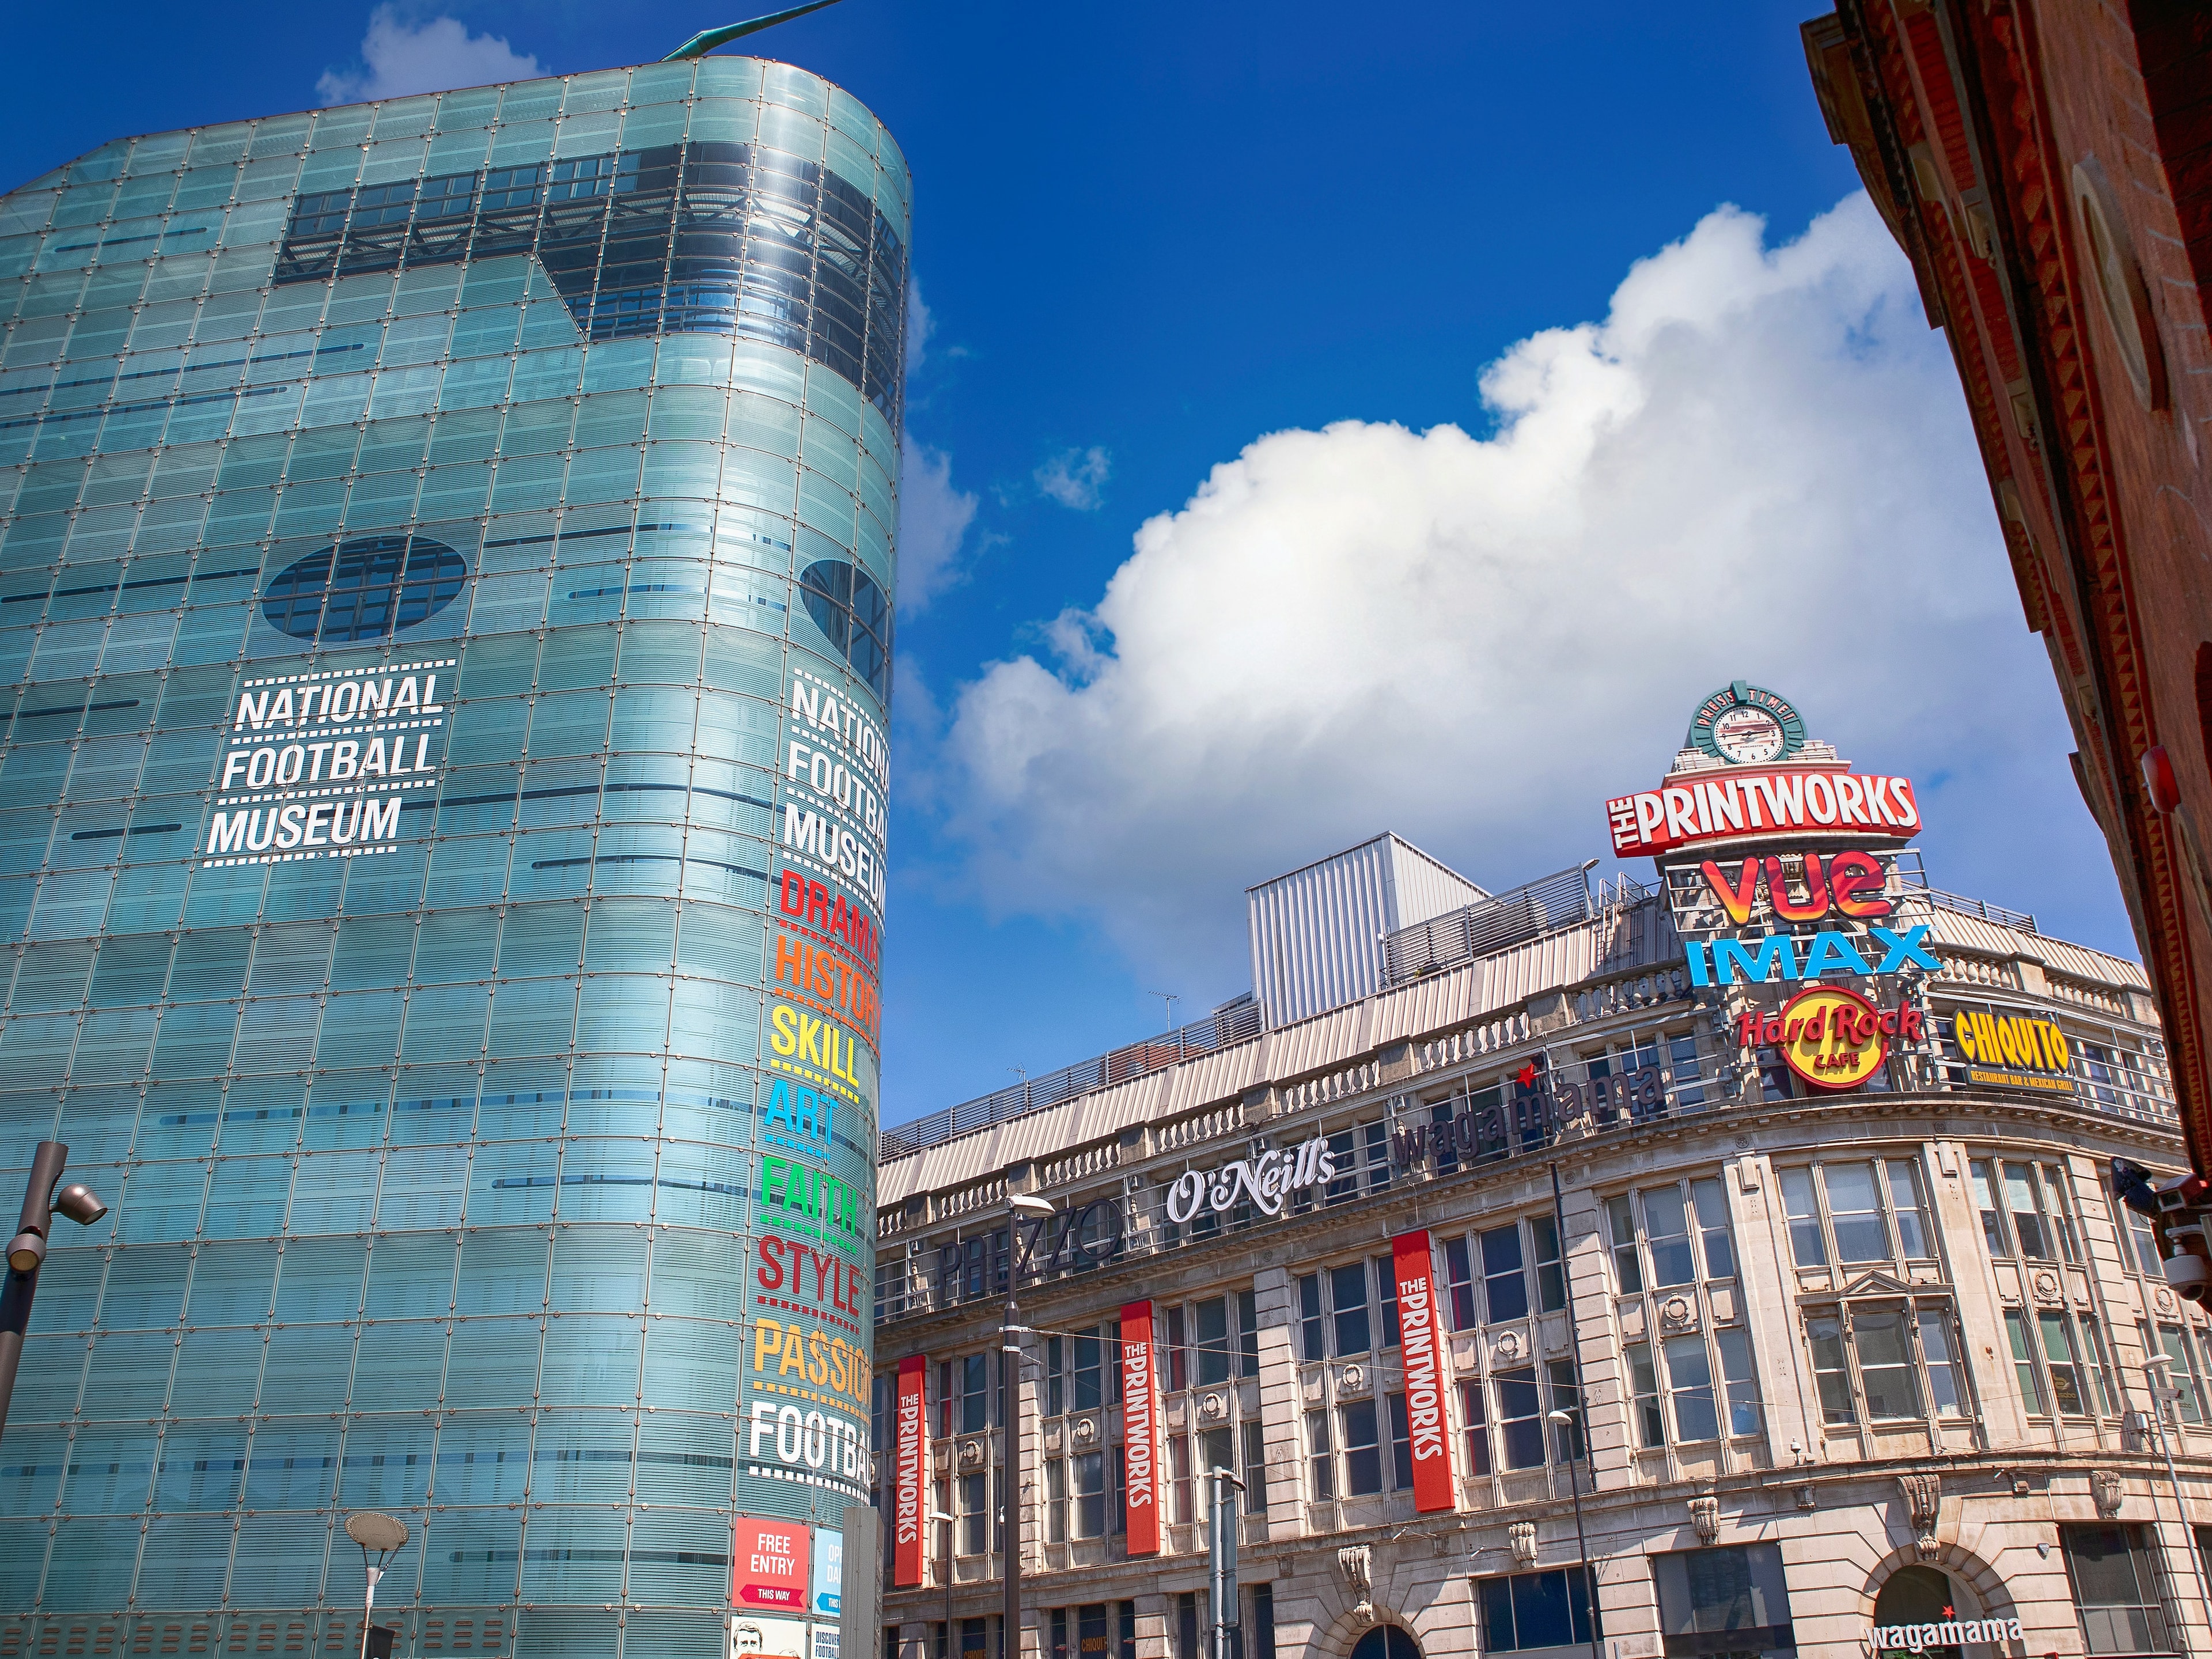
(764, 1636)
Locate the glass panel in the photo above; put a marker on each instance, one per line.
(1519, 1413)
(1506, 1288)
(1907, 1208)
(1363, 1458)
(1943, 1368)
(1742, 1379)
(1855, 1212)
(1644, 1385)
(1806, 1245)
(1622, 1216)
(2023, 1362)
(2022, 1201)
(1690, 1381)
(1667, 1224)
(1985, 1201)
(1824, 1333)
(1712, 1201)
(2064, 1368)
(1347, 1298)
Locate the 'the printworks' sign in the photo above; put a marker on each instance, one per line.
(910, 1473)
(1800, 800)
(1427, 1364)
(1141, 1499)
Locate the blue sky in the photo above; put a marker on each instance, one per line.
(1330, 420)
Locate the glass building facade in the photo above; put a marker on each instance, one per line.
(445, 563)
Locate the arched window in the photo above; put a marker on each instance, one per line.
(1917, 1595)
(1386, 1641)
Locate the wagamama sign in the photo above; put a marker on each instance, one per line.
(317, 765)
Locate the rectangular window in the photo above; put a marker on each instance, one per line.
(1313, 1337)
(1320, 1462)
(1179, 1478)
(1551, 1278)
(2023, 1362)
(1255, 1466)
(1386, 1297)
(1723, 1598)
(2064, 1364)
(1504, 1284)
(1940, 1361)
(1740, 1378)
(1401, 1445)
(1666, 1236)
(2115, 1589)
(1682, 1067)
(1985, 1201)
(1909, 1208)
(1247, 1333)
(1460, 1272)
(1055, 1500)
(2183, 1373)
(1347, 1301)
(2024, 1207)
(1473, 1430)
(1089, 1392)
(1186, 1622)
(2059, 1210)
(974, 1394)
(1621, 1214)
(2101, 1364)
(1710, 1201)
(1855, 1212)
(1566, 1437)
(1528, 1611)
(1090, 1494)
(1055, 1390)
(1885, 1364)
(1263, 1623)
(1519, 1419)
(975, 1514)
(2144, 1243)
(1689, 1386)
(1363, 1456)
(1806, 1245)
(1831, 1372)
(1211, 1317)
(1644, 1387)
(1178, 1359)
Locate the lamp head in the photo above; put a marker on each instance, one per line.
(26, 1251)
(76, 1201)
(1558, 1417)
(1027, 1204)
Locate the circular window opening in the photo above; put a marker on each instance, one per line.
(368, 588)
(847, 606)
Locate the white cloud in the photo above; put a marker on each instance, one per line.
(399, 59)
(1075, 477)
(920, 325)
(1757, 466)
(933, 520)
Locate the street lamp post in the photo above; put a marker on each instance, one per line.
(27, 1252)
(1221, 1559)
(383, 1536)
(947, 1521)
(2164, 1393)
(1582, 1543)
(1010, 1378)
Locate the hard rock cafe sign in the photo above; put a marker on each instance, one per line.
(1831, 1037)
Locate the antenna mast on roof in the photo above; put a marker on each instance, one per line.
(704, 42)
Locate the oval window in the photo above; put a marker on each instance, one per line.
(369, 588)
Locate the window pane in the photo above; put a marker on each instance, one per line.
(1347, 1297)
(2065, 1370)
(1806, 1244)
(1211, 1318)
(1943, 1368)
(1885, 1364)
(1386, 1297)
(1666, 1233)
(1644, 1385)
(1247, 1333)
(1401, 1445)
(1622, 1216)
(1320, 1464)
(2021, 1201)
(1475, 1431)
(1313, 1343)
(1905, 1204)
(1712, 1201)
(1519, 1418)
(1551, 1282)
(1504, 1287)
(1985, 1200)
(1855, 1212)
(1741, 1379)
(1363, 1457)
(1460, 1271)
(1825, 1334)
(2023, 1362)
(1690, 1380)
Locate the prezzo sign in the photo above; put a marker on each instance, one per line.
(1427, 1364)
(910, 1474)
(317, 765)
(1267, 1181)
(1141, 1502)
(1744, 802)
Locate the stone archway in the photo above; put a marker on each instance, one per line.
(1909, 1586)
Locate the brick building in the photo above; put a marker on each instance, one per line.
(2046, 165)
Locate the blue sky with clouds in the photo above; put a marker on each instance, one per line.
(1330, 420)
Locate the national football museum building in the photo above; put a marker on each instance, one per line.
(445, 575)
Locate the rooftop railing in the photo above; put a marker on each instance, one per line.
(1543, 906)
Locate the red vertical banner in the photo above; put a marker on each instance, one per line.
(911, 1474)
(1140, 1440)
(1428, 1372)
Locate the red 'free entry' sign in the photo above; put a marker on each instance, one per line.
(768, 1564)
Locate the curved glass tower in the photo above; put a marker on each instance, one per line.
(445, 564)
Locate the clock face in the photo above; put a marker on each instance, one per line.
(1748, 735)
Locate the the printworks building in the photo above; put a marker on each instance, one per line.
(447, 552)
(1847, 1327)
